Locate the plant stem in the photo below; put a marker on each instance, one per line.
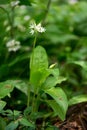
(28, 101)
(12, 22)
(1, 7)
(10, 19)
(47, 10)
(34, 47)
(36, 102)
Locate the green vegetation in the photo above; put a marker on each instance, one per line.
(43, 61)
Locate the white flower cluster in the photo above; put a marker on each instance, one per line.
(36, 28)
(72, 1)
(13, 45)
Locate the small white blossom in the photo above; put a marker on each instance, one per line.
(26, 17)
(13, 45)
(72, 1)
(36, 28)
(14, 3)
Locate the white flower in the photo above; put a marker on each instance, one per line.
(36, 28)
(26, 17)
(13, 45)
(72, 1)
(14, 3)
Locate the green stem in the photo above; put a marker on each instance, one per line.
(37, 100)
(28, 101)
(10, 19)
(33, 101)
(47, 10)
(34, 47)
(6, 13)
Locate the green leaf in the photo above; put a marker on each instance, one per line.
(57, 109)
(2, 104)
(16, 113)
(5, 88)
(60, 97)
(54, 72)
(12, 125)
(78, 99)
(25, 122)
(53, 80)
(83, 64)
(61, 79)
(39, 59)
(38, 66)
(21, 85)
(2, 124)
(38, 77)
(50, 82)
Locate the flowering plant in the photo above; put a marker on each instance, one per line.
(36, 28)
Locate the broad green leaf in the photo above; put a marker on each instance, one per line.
(60, 97)
(25, 122)
(50, 82)
(61, 79)
(54, 79)
(38, 66)
(57, 109)
(21, 85)
(2, 104)
(39, 59)
(82, 64)
(12, 125)
(16, 113)
(78, 99)
(38, 77)
(5, 88)
(54, 72)
(8, 112)
(2, 124)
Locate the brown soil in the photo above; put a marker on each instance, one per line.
(76, 118)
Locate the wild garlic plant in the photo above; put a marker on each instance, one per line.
(43, 79)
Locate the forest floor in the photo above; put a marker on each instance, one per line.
(76, 118)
